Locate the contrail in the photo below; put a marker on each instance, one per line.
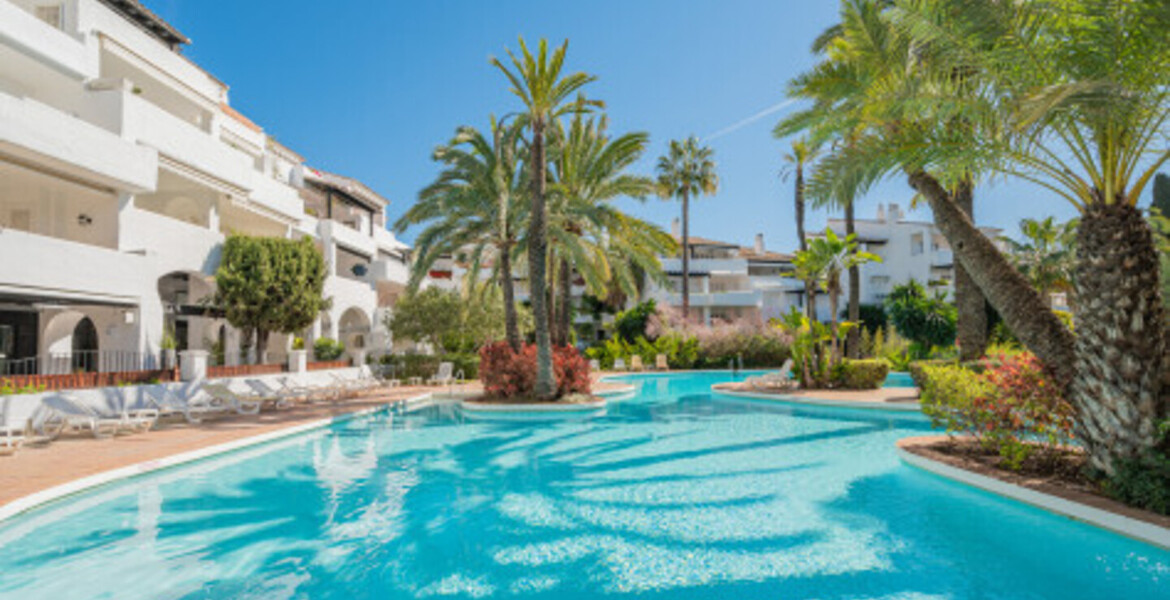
(752, 119)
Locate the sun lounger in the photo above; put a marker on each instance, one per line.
(619, 364)
(595, 365)
(312, 392)
(262, 389)
(444, 375)
(73, 416)
(352, 385)
(244, 405)
(12, 429)
(660, 363)
(193, 410)
(778, 381)
(636, 363)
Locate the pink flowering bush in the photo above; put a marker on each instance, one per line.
(508, 374)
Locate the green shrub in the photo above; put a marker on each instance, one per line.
(629, 325)
(425, 365)
(1143, 483)
(327, 349)
(917, 372)
(949, 394)
(7, 388)
(867, 374)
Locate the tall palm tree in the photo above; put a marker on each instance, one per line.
(474, 210)
(801, 157)
(1073, 96)
(547, 95)
(1046, 255)
(824, 261)
(686, 171)
(590, 236)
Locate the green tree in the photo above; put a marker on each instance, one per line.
(588, 235)
(823, 262)
(927, 321)
(1046, 254)
(547, 95)
(474, 211)
(686, 171)
(802, 156)
(270, 284)
(451, 321)
(1161, 194)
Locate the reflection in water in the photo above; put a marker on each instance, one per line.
(673, 494)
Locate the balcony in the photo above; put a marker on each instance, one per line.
(942, 259)
(707, 265)
(36, 131)
(339, 233)
(23, 30)
(740, 298)
(385, 269)
(177, 245)
(56, 268)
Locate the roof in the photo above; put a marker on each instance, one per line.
(347, 185)
(153, 24)
(238, 116)
(743, 251)
(695, 240)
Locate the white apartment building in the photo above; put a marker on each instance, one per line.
(122, 168)
(729, 281)
(909, 250)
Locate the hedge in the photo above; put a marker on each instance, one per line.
(863, 374)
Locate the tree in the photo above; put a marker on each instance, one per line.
(686, 171)
(475, 210)
(927, 321)
(538, 83)
(1073, 97)
(824, 261)
(270, 284)
(588, 235)
(1046, 255)
(1161, 200)
(452, 322)
(801, 157)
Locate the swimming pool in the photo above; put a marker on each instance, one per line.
(672, 494)
(897, 379)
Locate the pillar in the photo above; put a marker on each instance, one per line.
(193, 365)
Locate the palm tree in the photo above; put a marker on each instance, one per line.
(687, 170)
(865, 58)
(1046, 255)
(588, 235)
(1074, 97)
(546, 95)
(474, 210)
(802, 155)
(824, 261)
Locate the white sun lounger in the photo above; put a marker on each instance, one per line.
(262, 389)
(244, 405)
(311, 392)
(444, 375)
(193, 410)
(619, 364)
(74, 416)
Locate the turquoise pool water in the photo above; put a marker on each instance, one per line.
(898, 380)
(672, 494)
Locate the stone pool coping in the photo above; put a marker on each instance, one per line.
(1092, 509)
(865, 400)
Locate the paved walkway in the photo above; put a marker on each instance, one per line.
(878, 396)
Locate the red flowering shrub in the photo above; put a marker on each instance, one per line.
(508, 374)
(1011, 408)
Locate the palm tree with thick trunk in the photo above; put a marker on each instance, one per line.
(687, 171)
(825, 260)
(547, 95)
(474, 211)
(800, 158)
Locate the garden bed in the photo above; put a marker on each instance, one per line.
(1061, 478)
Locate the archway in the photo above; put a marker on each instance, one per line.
(85, 347)
(353, 328)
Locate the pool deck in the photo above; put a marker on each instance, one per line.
(37, 468)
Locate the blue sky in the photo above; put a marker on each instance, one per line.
(367, 89)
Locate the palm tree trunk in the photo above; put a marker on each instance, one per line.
(545, 387)
(853, 338)
(1021, 307)
(511, 324)
(972, 325)
(565, 314)
(835, 357)
(686, 258)
(810, 293)
(1120, 342)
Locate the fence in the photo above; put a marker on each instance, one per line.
(328, 364)
(243, 370)
(86, 361)
(73, 381)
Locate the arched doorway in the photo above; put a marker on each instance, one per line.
(85, 347)
(353, 329)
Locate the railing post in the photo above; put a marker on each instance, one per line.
(193, 365)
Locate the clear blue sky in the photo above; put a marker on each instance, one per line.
(367, 89)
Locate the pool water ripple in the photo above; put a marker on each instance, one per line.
(672, 494)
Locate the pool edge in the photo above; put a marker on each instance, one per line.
(1133, 529)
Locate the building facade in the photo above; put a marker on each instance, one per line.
(122, 169)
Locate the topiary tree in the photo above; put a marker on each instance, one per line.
(268, 284)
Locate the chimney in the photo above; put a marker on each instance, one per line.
(759, 248)
(676, 227)
(895, 212)
(881, 213)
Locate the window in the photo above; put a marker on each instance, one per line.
(917, 244)
(50, 15)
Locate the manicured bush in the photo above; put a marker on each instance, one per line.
(917, 371)
(326, 349)
(1144, 483)
(1012, 408)
(863, 374)
(508, 374)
